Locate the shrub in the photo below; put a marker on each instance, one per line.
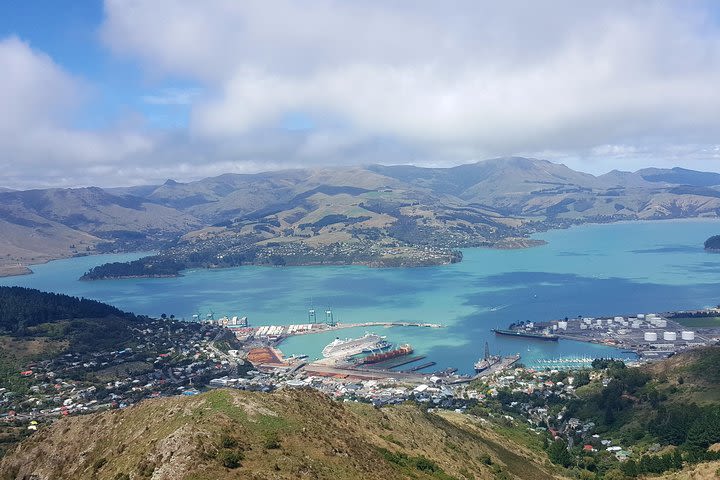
(272, 441)
(99, 463)
(230, 459)
(226, 441)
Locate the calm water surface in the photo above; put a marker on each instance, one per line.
(590, 270)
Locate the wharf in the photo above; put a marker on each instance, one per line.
(279, 332)
(396, 362)
(420, 367)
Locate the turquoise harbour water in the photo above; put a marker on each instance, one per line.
(591, 270)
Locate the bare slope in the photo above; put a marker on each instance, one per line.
(229, 434)
(41, 225)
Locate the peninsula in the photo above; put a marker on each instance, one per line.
(712, 244)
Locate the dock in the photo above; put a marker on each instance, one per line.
(396, 362)
(421, 366)
(279, 332)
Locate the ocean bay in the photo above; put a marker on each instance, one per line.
(589, 270)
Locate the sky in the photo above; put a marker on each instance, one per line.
(127, 92)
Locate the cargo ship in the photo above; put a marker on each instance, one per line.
(381, 357)
(485, 363)
(352, 346)
(520, 333)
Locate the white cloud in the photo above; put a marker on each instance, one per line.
(33, 90)
(38, 101)
(599, 85)
(481, 77)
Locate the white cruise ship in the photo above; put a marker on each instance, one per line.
(353, 346)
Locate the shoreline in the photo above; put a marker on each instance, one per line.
(16, 271)
(509, 243)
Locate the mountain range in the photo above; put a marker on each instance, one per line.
(372, 211)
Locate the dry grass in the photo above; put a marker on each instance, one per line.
(290, 434)
(703, 471)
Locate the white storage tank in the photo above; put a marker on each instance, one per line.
(583, 326)
(619, 319)
(687, 335)
(635, 324)
(650, 337)
(641, 316)
(562, 325)
(661, 323)
(670, 336)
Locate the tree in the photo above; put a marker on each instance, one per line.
(581, 378)
(677, 460)
(614, 474)
(609, 416)
(630, 468)
(558, 453)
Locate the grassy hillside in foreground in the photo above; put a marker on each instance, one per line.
(229, 434)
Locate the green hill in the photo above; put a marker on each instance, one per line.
(24, 308)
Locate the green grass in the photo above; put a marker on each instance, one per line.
(516, 463)
(700, 322)
(221, 401)
(519, 433)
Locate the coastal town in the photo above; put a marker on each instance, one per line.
(191, 362)
(170, 357)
